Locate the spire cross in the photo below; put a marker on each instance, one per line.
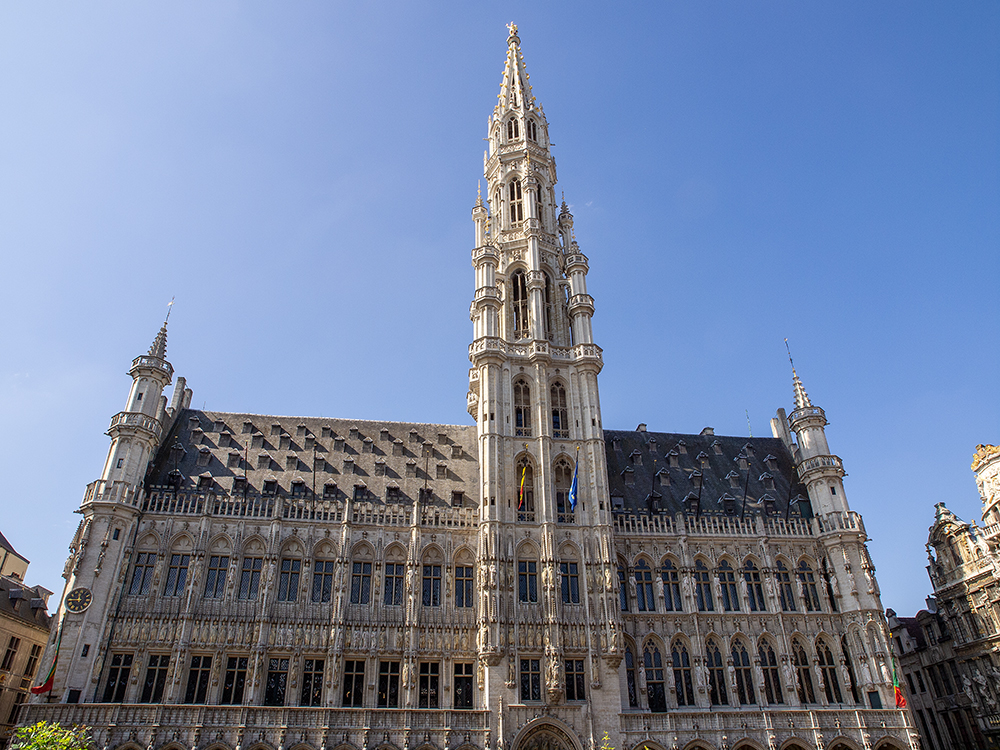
(789, 354)
(170, 306)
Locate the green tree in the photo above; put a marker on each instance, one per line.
(48, 736)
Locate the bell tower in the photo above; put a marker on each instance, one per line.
(547, 609)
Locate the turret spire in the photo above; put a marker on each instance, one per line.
(801, 397)
(159, 347)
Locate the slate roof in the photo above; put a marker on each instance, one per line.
(349, 452)
(25, 603)
(637, 458)
(4, 544)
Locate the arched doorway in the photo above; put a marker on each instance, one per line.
(545, 736)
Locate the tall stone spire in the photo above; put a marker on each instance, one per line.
(801, 397)
(515, 89)
(159, 347)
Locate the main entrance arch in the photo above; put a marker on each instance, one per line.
(544, 734)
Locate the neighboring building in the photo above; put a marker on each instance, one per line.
(24, 631)
(954, 649)
(251, 581)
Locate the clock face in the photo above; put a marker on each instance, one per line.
(78, 600)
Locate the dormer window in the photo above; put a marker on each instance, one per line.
(291, 462)
(629, 476)
(360, 492)
(327, 431)
(219, 426)
(617, 503)
(672, 459)
(728, 504)
(239, 485)
(652, 446)
(270, 487)
(275, 429)
(197, 436)
(174, 480)
(380, 467)
(225, 440)
(329, 490)
(247, 428)
(204, 484)
(616, 444)
(767, 480)
(383, 434)
(177, 453)
(442, 438)
(427, 450)
(717, 447)
(349, 467)
(233, 462)
(513, 128)
(397, 447)
(285, 443)
(692, 504)
(310, 443)
(263, 461)
(204, 456)
(457, 499)
(392, 494)
(734, 479)
(338, 444)
(702, 458)
(456, 451)
(193, 423)
(682, 447)
(771, 461)
(298, 488)
(355, 434)
(748, 449)
(742, 460)
(664, 476)
(426, 494)
(368, 445)
(442, 471)
(301, 430)
(411, 468)
(414, 437)
(769, 504)
(635, 457)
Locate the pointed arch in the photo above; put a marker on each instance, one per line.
(645, 600)
(828, 668)
(631, 682)
(670, 575)
(653, 666)
(525, 487)
(522, 403)
(560, 413)
(803, 674)
(562, 476)
(716, 663)
(769, 666)
(527, 572)
(743, 666)
(680, 659)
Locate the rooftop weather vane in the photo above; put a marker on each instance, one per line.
(170, 306)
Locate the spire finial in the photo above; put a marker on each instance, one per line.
(801, 397)
(512, 37)
(479, 194)
(170, 306)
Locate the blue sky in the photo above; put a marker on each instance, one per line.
(300, 177)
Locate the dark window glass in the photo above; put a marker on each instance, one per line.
(557, 394)
(703, 588)
(288, 580)
(118, 673)
(354, 683)
(527, 581)
(394, 578)
(671, 587)
(633, 695)
(156, 678)
(388, 684)
(755, 588)
(361, 583)
(785, 590)
(644, 601)
(215, 581)
(250, 577)
(463, 586)
(277, 681)
(176, 575)
(235, 680)
(570, 583)
(197, 686)
(682, 675)
(803, 673)
(807, 579)
(463, 685)
(656, 691)
(744, 674)
(432, 586)
(575, 686)
(622, 590)
(312, 682)
(831, 685)
(716, 674)
(430, 672)
(142, 573)
(531, 680)
(322, 580)
(769, 666)
(522, 393)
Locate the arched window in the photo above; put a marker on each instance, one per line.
(785, 589)
(622, 589)
(727, 582)
(564, 479)
(828, 574)
(513, 128)
(831, 685)
(850, 669)
(516, 202)
(716, 674)
(560, 420)
(633, 697)
(519, 303)
(655, 688)
(803, 674)
(522, 409)
(682, 674)
(769, 666)
(525, 490)
(755, 589)
(809, 593)
(671, 587)
(703, 587)
(532, 130)
(744, 674)
(645, 602)
(548, 308)
(527, 580)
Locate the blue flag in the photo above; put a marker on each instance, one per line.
(573, 487)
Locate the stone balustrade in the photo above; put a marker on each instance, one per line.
(136, 420)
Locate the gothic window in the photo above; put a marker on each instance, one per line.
(716, 674)
(142, 573)
(575, 687)
(361, 582)
(176, 575)
(850, 669)
(644, 599)
(828, 579)
(525, 490)
(563, 480)
(215, 581)
(393, 587)
(354, 683)
(322, 580)
(198, 676)
(388, 684)
(235, 680)
(656, 691)
(682, 674)
(727, 582)
(156, 678)
(548, 307)
(703, 587)
(312, 683)
(250, 577)
(769, 666)
(671, 587)
(432, 586)
(622, 589)
(531, 680)
(430, 677)
(633, 696)
(785, 589)
(527, 581)
(570, 582)
(519, 302)
(560, 420)
(755, 589)
(513, 129)
(118, 674)
(463, 586)
(532, 130)
(744, 674)
(463, 685)
(809, 593)
(803, 674)
(288, 580)
(8, 658)
(516, 203)
(827, 665)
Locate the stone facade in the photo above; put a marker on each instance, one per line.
(532, 581)
(950, 654)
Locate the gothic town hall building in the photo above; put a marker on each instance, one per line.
(254, 582)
